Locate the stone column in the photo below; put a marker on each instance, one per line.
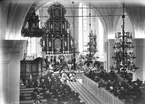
(110, 53)
(12, 53)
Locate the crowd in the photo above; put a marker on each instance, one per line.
(120, 85)
(52, 85)
(54, 89)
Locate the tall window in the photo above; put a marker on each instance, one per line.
(100, 38)
(84, 30)
(80, 29)
(83, 27)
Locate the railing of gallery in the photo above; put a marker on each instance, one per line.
(106, 96)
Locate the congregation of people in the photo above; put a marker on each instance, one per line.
(54, 87)
(120, 85)
(57, 91)
(53, 83)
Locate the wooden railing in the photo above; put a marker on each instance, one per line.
(106, 96)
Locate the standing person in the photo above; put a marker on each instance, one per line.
(47, 76)
(64, 77)
(72, 75)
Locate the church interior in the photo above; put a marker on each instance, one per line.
(72, 52)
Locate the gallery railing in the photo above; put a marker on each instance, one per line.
(106, 96)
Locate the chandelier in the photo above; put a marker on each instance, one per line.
(91, 47)
(31, 25)
(123, 47)
(92, 44)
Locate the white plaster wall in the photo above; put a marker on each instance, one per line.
(5, 83)
(12, 54)
(139, 45)
(110, 51)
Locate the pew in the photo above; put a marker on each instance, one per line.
(27, 96)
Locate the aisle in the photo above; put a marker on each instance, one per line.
(85, 95)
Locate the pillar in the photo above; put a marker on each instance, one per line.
(12, 53)
(110, 53)
(139, 50)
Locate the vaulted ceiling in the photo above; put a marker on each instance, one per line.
(13, 12)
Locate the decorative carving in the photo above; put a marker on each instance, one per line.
(57, 27)
(57, 45)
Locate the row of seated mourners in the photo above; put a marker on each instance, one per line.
(126, 90)
(58, 67)
(39, 82)
(55, 88)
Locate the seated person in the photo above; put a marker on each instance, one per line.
(72, 75)
(102, 83)
(21, 82)
(96, 79)
(37, 100)
(35, 92)
(22, 96)
(108, 85)
(38, 82)
(26, 84)
(36, 96)
(64, 77)
(47, 95)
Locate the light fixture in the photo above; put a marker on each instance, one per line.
(92, 44)
(124, 58)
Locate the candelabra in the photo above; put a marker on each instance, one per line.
(123, 56)
(91, 47)
(92, 41)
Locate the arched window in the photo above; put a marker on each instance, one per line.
(128, 25)
(100, 38)
(84, 29)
